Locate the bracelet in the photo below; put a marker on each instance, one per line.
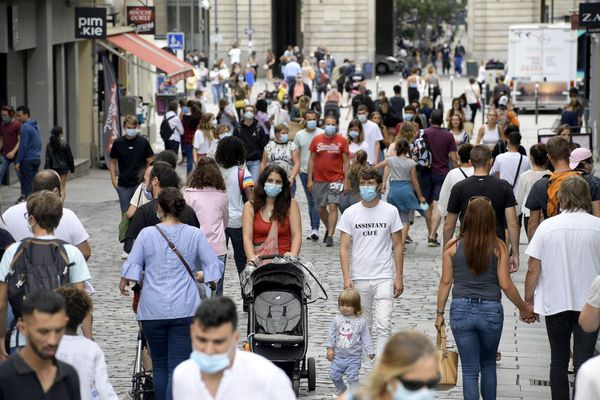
(439, 312)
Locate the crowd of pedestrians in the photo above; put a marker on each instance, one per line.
(398, 156)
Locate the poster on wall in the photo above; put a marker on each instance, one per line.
(111, 129)
(142, 18)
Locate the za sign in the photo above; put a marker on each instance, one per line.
(175, 40)
(90, 23)
(589, 16)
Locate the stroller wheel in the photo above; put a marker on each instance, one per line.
(296, 385)
(312, 374)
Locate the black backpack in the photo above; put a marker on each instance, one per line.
(165, 128)
(37, 264)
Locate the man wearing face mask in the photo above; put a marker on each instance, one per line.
(132, 152)
(328, 169)
(254, 139)
(373, 227)
(217, 369)
(303, 139)
(9, 139)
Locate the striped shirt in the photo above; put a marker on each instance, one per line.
(169, 291)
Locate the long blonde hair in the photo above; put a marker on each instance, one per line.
(402, 351)
(205, 127)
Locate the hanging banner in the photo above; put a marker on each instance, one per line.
(112, 118)
(142, 18)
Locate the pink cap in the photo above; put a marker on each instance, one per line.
(577, 156)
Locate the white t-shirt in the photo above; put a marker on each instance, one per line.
(234, 55)
(594, 295)
(234, 196)
(88, 360)
(454, 176)
(371, 231)
(524, 185)
(138, 199)
(175, 125)
(70, 229)
(567, 245)
(507, 163)
(200, 143)
(588, 380)
(372, 136)
(472, 93)
(251, 377)
(354, 147)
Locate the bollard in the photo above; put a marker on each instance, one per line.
(452, 86)
(483, 102)
(377, 86)
(537, 89)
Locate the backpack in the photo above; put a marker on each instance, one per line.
(165, 128)
(241, 174)
(554, 181)
(37, 264)
(422, 153)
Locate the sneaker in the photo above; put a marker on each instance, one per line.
(433, 243)
(314, 236)
(325, 238)
(408, 240)
(329, 241)
(124, 256)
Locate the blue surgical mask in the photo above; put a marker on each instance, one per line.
(368, 193)
(311, 125)
(285, 101)
(283, 138)
(330, 130)
(131, 132)
(272, 189)
(408, 117)
(362, 118)
(402, 393)
(147, 194)
(210, 364)
(185, 110)
(353, 134)
(248, 115)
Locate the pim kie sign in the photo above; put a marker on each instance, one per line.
(142, 18)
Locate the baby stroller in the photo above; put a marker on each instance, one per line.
(278, 290)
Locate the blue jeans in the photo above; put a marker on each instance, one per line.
(477, 328)
(458, 64)
(4, 167)
(170, 344)
(349, 365)
(254, 168)
(217, 92)
(219, 291)
(27, 170)
(312, 209)
(125, 194)
(188, 151)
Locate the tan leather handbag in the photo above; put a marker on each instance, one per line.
(447, 360)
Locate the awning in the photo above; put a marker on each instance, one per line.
(175, 68)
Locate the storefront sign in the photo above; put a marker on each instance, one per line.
(90, 23)
(589, 16)
(142, 18)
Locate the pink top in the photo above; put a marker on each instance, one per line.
(212, 209)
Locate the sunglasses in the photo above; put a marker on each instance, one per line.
(413, 386)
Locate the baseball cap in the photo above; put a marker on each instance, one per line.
(503, 101)
(577, 156)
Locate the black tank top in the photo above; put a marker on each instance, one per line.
(483, 286)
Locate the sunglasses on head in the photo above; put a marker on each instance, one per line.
(417, 385)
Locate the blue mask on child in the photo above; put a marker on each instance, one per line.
(353, 134)
(283, 138)
(210, 364)
(368, 193)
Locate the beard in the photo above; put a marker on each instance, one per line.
(45, 353)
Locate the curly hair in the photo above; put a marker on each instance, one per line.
(207, 174)
(77, 303)
(230, 152)
(283, 201)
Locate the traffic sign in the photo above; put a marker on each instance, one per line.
(176, 40)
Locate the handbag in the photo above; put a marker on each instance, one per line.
(447, 360)
(240, 103)
(124, 224)
(271, 244)
(201, 288)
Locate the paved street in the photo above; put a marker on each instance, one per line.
(525, 351)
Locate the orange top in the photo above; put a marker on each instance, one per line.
(262, 228)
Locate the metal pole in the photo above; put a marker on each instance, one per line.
(537, 87)
(452, 86)
(192, 30)
(377, 85)
(483, 102)
(216, 30)
(249, 27)
(178, 16)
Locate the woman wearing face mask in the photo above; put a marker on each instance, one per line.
(271, 225)
(204, 137)
(356, 138)
(407, 370)
(282, 152)
(59, 158)
(489, 134)
(220, 132)
(166, 323)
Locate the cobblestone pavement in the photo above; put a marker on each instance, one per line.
(525, 350)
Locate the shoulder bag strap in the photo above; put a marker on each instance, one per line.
(462, 172)
(177, 253)
(518, 168)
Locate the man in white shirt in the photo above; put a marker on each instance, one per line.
(290, 71)
(217, 369)
(463, 171)
(510, 165)
(70, 229)
(588, 379)
(373, 228)
(372, 133)
(234, 54)
(176, 127)
(564, 261)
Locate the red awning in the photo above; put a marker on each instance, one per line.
(175, 68)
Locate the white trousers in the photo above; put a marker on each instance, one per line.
(377, 299)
